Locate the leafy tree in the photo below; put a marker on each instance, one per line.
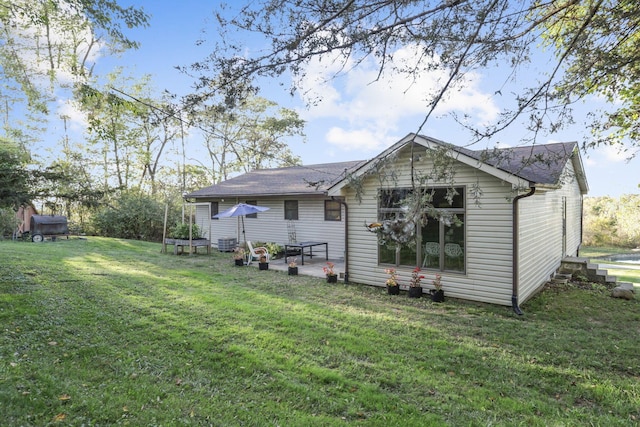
(129, 130)
(610, 221)
(74, 194)
(8, 222)
(628, 220)
(56, 42)
(21, 180)
(175, 180)
(111, 130)
(160, 128)
(592, 44)
(47, 46)
(15, 179)
(249, 135)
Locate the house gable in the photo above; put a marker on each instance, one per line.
(523, 167)
(462, 155)
(553, 169)
(487, 243)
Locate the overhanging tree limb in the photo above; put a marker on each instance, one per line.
(594, 43)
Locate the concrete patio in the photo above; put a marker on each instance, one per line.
(312, 266)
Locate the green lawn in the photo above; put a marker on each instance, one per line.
(111, 332)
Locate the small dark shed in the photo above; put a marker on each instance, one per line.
(48, 226)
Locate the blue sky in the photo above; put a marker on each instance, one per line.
(357, 118)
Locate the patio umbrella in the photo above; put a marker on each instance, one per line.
(241, 209)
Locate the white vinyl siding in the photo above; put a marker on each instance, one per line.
(270, 226)
(541, 236)
(203, 218)
(488, 237)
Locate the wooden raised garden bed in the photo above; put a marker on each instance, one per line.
(179, 244)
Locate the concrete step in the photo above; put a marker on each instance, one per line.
(592, 271)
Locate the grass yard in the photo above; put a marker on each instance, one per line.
(111, 332)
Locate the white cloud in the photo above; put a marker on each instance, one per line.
(362, 104)
(610, 153)
(607, 155)
(356, 140)
(67, 48)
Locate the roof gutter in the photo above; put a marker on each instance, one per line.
(346, 237)
(515, 280)
(581, 224)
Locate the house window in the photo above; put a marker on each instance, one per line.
(332, 210)
(215, 209)
(254, 203)
(291, 209)
(440, 244)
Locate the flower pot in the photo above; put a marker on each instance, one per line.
(393, 290)
(293, 271)
(437, 296)
(263, 265)
(333, 278)
(415, 292)
(240, 262)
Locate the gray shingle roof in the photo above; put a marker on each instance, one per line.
(295, 180)
(540, 164)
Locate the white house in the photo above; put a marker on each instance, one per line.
(501, 224)
(518, 213)
(297, 200)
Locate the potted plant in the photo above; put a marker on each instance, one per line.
(392, 282)
(332, 277)
(437, 294)
(293, 267)
(238, 256)
(415, 290)
(262, 262)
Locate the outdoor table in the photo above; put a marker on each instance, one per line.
(306, 245)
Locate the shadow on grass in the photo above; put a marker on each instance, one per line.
(147, 337)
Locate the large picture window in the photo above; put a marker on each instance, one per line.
(440, 243)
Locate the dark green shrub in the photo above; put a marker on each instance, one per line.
(134, 216)
(8, 222)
